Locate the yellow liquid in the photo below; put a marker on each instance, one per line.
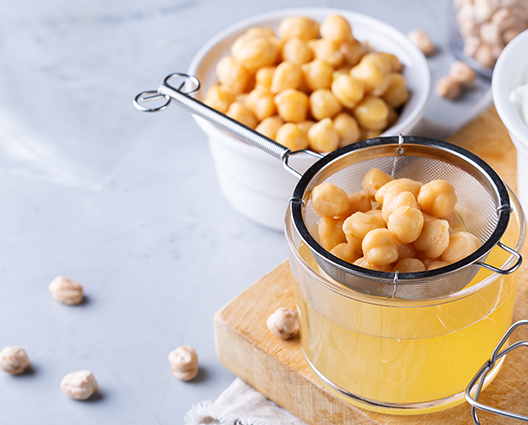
(406, 354)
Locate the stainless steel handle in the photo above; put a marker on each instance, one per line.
(501, 271)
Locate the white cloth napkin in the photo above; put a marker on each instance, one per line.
(240, 404)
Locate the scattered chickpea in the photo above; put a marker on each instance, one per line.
(283, 323)
(66, 291)
(14, 360)
(421, 40)
(448, 88)
(462, 73)
(184, 362)
(79, 385)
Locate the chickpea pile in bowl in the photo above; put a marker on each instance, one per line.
(393, 224)
(312, 86)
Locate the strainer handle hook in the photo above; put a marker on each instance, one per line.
(503, 271)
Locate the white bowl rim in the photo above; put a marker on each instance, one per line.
(417, 55)
(504, 73)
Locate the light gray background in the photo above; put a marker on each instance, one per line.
(127, 203)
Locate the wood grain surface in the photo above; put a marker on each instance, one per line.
(279, 370)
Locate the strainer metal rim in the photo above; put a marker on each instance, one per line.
(504, 209)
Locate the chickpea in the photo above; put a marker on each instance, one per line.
(323, 137)
(379, 247)
(363, 262)
(331, 232)
(376, 213)
(373, 72)
(299, 27)
(286, 76)
(264, 77)
(434, 238)
(254, 52)
(242, 98)
(317, 74)
(461, 245)
(448, 88)
(232, 75)
(406, 224)
(392, 118)
(305, 126)
(409, 265)
(396, 94)
(342, 70)
(238, 111)
(347, 128)
(345, 252)
(323, 104)
(437, 198)
(219, 98)
(398, 185)
(352, 51)
(327, 51)
(261, 103)
(406, 251)
(358, 201)
(292, 105)
(462, 73)
(328, 200)
(369, 134)
(392, 61)
(336, 29)
(374, 180)
(348, 90)
(292, 137)
(297, 51)
(396, 199)
(260, 32)
(372, 113)
(358, 225)
(432, 265)
(269, 126)
(421, 40)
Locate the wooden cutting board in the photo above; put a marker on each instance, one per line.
(279, 370)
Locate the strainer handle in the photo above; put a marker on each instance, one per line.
(503, 271)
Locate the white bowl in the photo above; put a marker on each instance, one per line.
(510, 72)
(255, 183)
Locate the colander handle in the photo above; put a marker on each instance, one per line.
(506, 271)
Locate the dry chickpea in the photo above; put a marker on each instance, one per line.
(240, 112)
(291, 136)
(261, 103)
(434, 238)
(374, 179)
(373, 71)
(286, 76)
(406, 251)
(283, 323)
(328, 200)
(14, 360)
(348, 90)
(437, 198)
(219, 98)
(300, 27)
(345, 252)
(232, 75)
(317, 74)
(305, 126)
(292, 105)
(358, 201)
(347, 128)
(461, 245)
(327, 51)
(324, 104)
(372, 113)
(260, 32)
(398, 185)
(379, 247)
(396, 94)
(448, 88)
(254, 52)
(409, 265)
(421, 40)
(323, 137)
(352, 51)
(264, 76)
(297, 51)
(406, 224)
(331, 232)
(79, 385)
(269, 126)
(358, 225)
(462, 73)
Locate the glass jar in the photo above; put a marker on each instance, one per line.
(402, 356)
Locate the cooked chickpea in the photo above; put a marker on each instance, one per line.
(260, 32)
(396, 94)
(291, 136)
(409, 265)
(358, 201)
(455, 222)
(352, 52)
(406, 251)
(345, 252)
(336, 29)
(461, 245)
(269, 126)
(374, 179)
(264, 77)
(254, 52)
(328, 200)
(432, 265)
(300, 27)
(348, 90)
(434, 238)
(286, 76)
(379, 247)
(324, 104)
(297, 51)
(305, 126)
(347, 128)
(240, 112)
(219, 98)
(363, 262)
(317, 74)
(437, 198)
(323, 137)
(392, 61)
(232, 75)
(406, 224)
(398, 185)
(372, 113)
(358, 225)
(373, 72)
(261, 103)
(376, 213)
(331, 232)
(392, 118)
(327, 51)
(292, 105)
(396, 199)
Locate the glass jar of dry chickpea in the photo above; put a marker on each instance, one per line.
(402, 356)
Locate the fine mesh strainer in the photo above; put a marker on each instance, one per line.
(483, 200)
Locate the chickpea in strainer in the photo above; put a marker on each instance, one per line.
(358, 225)
(328, 200)
(379, 247)
(331, 232)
